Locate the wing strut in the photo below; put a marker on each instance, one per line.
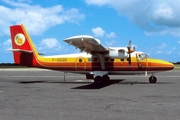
(102, 61)
(103, 67)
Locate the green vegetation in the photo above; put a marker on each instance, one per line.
(176, 66)
(10, 65)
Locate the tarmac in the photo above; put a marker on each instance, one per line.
(37, 94)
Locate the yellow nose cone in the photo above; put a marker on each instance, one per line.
(160, 65)
(169, 66)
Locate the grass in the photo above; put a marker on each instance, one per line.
(176, 66)
(10, 65)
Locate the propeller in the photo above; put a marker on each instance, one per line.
(130, 51)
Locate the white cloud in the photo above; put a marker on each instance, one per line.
(178, 42)
(49, 44)
(98, 32)
(97, 2)
(6, 45)
(111, 35)
(110, 43)
(7, 42)
(160, 48)
(28, 1)
(164, 11)
(170, 51)
(154, 16)
(36, 18)
(159, 52)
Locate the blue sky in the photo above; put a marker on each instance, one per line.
(153, 26)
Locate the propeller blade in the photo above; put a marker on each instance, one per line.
(129, 58)
(129, 52)
(134, 48)
(129, 44)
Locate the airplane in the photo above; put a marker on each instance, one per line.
(97, 62)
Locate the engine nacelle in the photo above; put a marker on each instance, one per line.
(118, 53)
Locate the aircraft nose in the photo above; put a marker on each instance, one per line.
(167, 65)
(170, 65)
(161, 65)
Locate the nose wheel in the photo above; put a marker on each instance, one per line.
(152, 79)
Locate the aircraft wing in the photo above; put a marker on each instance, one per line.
(87, 44)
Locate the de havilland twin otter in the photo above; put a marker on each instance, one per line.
(96, 63)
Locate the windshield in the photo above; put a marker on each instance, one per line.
(142, 56)
(145, 55)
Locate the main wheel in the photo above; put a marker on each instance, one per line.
(106, 78)
(152, 79)
(97, 79)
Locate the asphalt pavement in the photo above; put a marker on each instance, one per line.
(35, 94)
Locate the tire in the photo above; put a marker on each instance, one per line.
(97, 79)
(106, 78)
(152, 79)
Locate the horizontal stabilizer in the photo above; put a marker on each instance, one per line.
(25, 51)
(40, 53)
(20, 50)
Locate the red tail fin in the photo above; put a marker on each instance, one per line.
(23, 49)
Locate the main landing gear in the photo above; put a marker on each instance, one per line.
(152, 79)
(106, 79)
(103, 79)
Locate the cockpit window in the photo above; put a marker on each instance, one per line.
(142, 56)
(145, 55)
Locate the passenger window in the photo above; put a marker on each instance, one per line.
(80, 60)
(112, 60)
(89, 59)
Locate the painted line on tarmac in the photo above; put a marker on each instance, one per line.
(38, 76)
(84, 80)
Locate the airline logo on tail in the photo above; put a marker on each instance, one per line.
(19, 39)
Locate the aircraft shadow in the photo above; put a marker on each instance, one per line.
(120, 82)
(60, 82)
(90, 85)
(143, 83)
(30, 82)
(99, 86)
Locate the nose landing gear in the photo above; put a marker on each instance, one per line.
(152, 79)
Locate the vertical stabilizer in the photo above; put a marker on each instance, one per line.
(23, 49)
